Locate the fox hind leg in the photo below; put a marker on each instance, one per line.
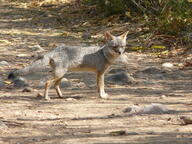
(56, 82)
(59, 72)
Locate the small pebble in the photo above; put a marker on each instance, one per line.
(118, 133)
(167, 65)
(162, 96)
(27, 89)
(39, 95)
(4, 63)
(70, 99)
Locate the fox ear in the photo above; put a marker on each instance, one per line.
(108, 36)
(124, 35)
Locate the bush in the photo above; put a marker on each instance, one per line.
(163, 16)
(173, 17)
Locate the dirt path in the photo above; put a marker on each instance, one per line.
(82, 117)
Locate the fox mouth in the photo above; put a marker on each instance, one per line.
(118, 52)
(121, 52)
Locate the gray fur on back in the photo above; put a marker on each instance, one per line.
(71, 56)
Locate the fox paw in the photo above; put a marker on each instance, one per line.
(104, 95)
(47, 98)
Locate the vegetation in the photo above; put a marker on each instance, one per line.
(163, 16)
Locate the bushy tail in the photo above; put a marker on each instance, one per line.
(35, 66)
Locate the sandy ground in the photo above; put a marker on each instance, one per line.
(83, 117)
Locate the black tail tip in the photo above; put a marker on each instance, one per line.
(11, 76)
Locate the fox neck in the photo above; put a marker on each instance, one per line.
(108, 55)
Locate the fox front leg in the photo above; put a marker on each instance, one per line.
(57, 88)
(100, 85)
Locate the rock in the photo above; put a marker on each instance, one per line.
(155, 109)
(122, 77)
(117, 70)
(48, 5)
(86, 36)
(180, 65)
(132, 133)
(20, 82)
(22, 55)
(186, 120)
(71, 99)
(149, 82)
(167, 65)
(65, 83)
(150, 132)
(117, 133)
(27, 89)
(3, 126)
(4, 63)
(149, 109)
(152, 70)
(79, 85)
(133, 109)
(39, 95)
(162, 96)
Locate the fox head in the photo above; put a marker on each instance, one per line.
(116, 44)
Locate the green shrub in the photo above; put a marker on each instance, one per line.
(174, 17)
(163, 16)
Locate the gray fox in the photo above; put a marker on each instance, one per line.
(75, 58)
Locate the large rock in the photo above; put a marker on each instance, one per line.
(121, 77)
(117, 70)
(149, 109)
(20, 82)
(152, 70)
